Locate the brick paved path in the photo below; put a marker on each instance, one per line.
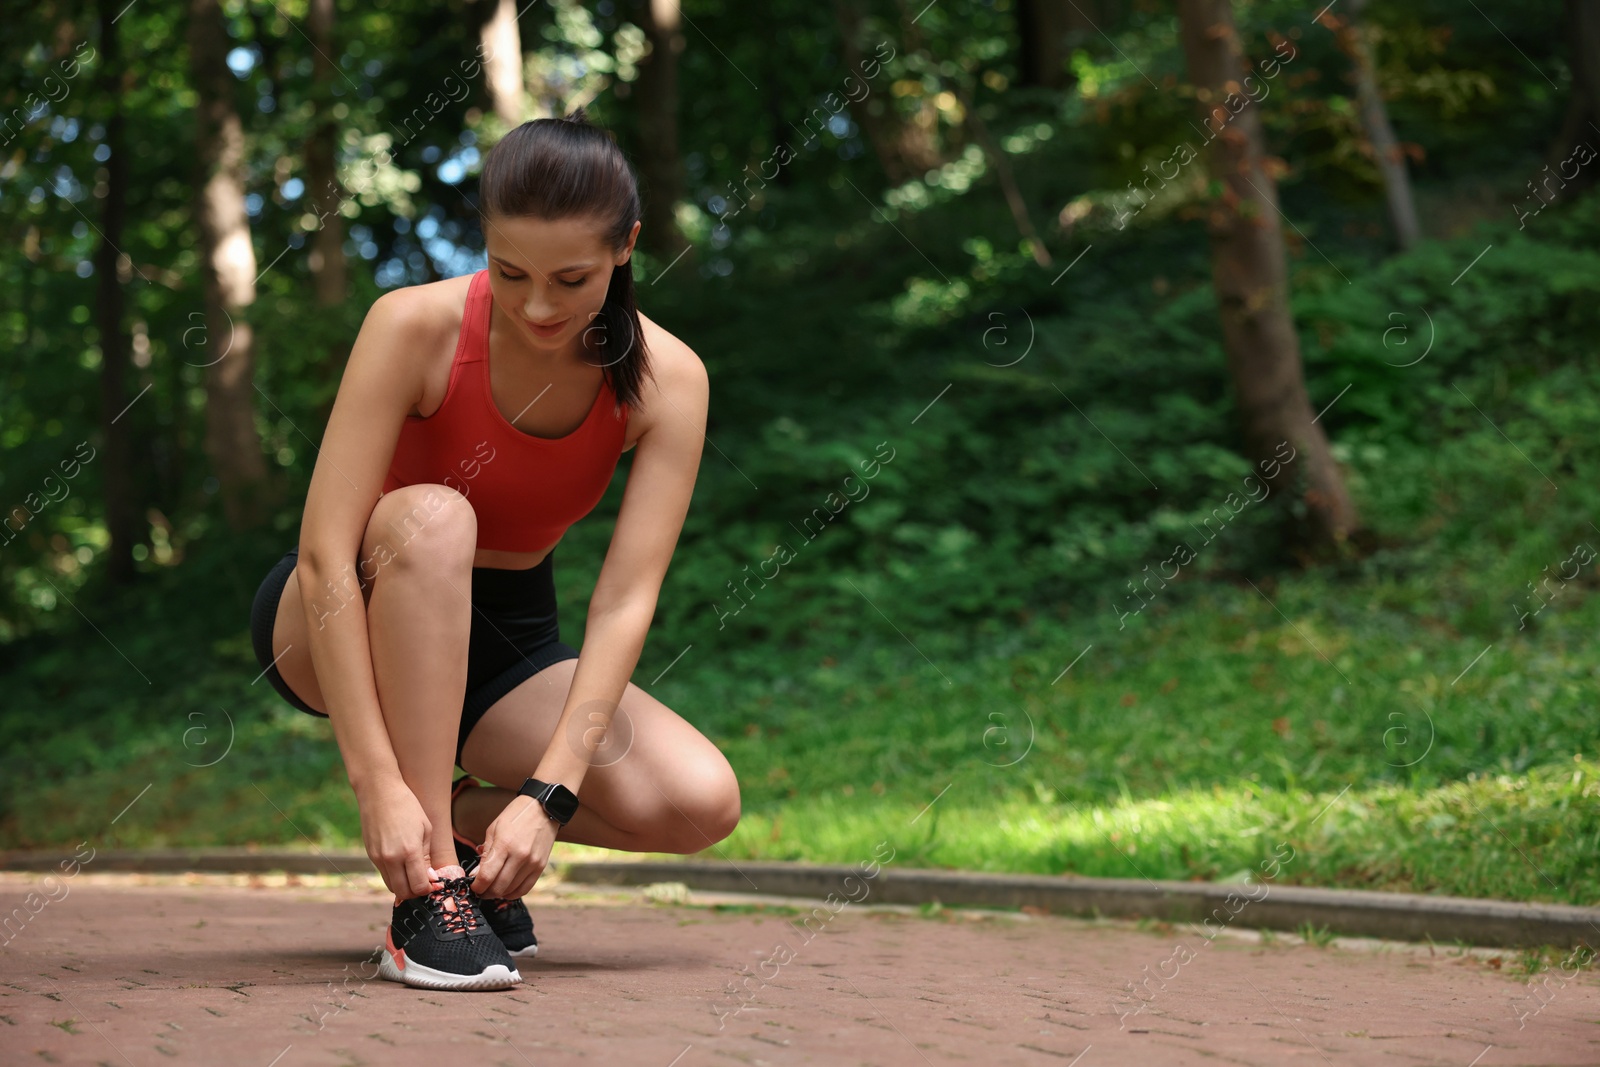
(213, 971)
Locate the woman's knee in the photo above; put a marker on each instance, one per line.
(423, 523)
(708, 799)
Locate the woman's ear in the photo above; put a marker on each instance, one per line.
(633, 236)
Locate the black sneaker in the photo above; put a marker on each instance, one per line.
(508, 918)
(443, 941)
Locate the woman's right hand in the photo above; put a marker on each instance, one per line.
(396, 833)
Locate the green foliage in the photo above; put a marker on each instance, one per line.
(1048, 436)
(1319, 936)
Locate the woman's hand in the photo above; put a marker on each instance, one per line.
(516, 848)
(396, 831)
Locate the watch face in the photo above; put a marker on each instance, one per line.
(561, 802)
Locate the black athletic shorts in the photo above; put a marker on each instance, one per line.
(514, 633)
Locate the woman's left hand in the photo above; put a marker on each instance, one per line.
(516, 849)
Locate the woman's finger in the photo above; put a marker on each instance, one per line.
(414, 875)
(528, 876)
(489, 867)
(393, 873)
(512, 874)
(506, 876)
(531, 876)
(525, 879)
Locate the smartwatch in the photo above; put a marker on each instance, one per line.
(559, 802)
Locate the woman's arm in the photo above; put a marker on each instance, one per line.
(381, 383)
(665, 465)
(654, 505)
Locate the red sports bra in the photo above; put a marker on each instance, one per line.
(526, 490)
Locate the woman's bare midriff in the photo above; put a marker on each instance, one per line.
(509, 561)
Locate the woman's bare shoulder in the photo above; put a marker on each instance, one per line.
(670, 357)
(433, 307)
(676, 373)
(424, 321)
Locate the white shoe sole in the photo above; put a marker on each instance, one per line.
(421, 977)
(525, 953)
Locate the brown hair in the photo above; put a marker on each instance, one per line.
(560, 168)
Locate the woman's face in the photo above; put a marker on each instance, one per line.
(550, 276)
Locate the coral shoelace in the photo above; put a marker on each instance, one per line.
(452, 903)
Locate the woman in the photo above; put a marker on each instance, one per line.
(477, 419)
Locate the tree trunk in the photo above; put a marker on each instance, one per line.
(873, 113)
(1386, 150)
(1583, 24)
(228, 265)
(109, 263)
(328, 268)
(1048, 31)
(1582, 122)
(502, 63)
(778, 127)
(1250, 274)
(918, 143)
(656, 98)
(905, 147)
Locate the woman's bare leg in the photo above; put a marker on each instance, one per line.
(656, 783)
(418, 553)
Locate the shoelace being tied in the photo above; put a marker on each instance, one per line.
(496, 904)
(452, 903)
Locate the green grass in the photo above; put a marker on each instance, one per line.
(1318, 936)
(1386, 718)
(1192, 748)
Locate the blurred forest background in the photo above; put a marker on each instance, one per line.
(1244, 429)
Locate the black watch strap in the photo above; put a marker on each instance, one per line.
(559, 802)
